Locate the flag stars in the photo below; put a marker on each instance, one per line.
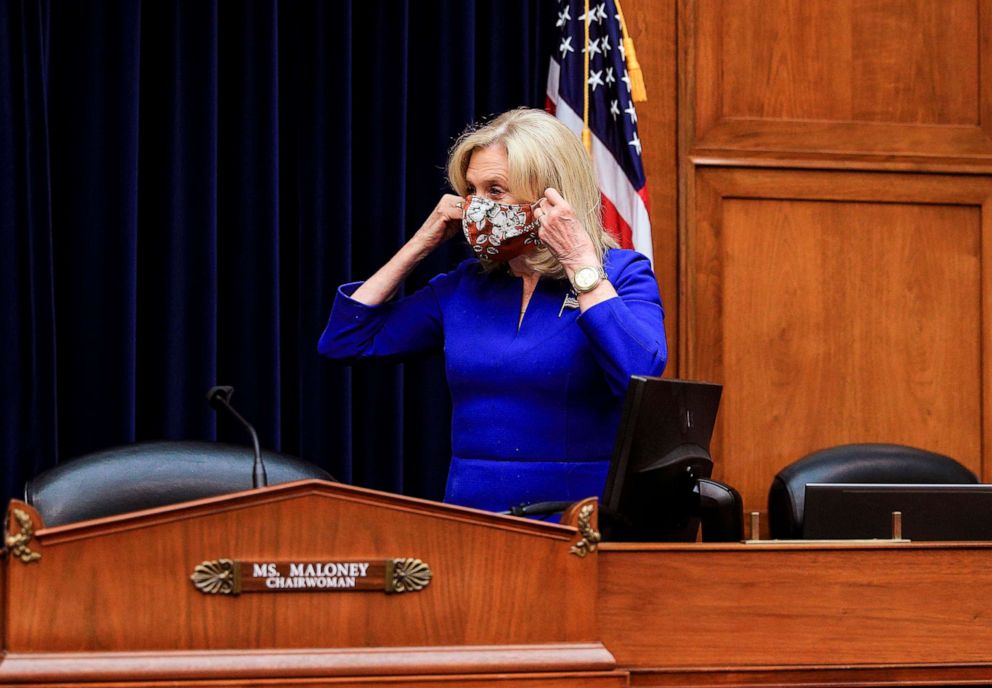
(609, 78)
(623, 55)
(566, 47)
(614, 109)
(593, 47)
(636, 143)
(598, 14)
(604, 43)
(631, 113)
(563, 17)
(625, 78)
(595, 79)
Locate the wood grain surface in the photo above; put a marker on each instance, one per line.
(774, 89)
(756, 614)
(652, 26)
(123, 583)
(614, 679)
(757, 607)
(839, 307)
(589, 659)
(861, 77)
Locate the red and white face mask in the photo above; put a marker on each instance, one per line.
(499, 232)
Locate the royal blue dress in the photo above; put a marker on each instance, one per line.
(534, 411)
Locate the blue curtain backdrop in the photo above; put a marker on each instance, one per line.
(182, 186)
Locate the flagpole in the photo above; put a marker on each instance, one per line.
(586, 133)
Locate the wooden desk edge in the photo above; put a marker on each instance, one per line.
(814, 675)
(789, 546)
(316, 662)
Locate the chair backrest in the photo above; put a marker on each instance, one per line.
(854, 463)
(150, 474)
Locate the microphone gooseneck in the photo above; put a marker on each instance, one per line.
(219, 397)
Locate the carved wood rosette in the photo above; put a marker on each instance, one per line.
(407, 575)
(217, 577)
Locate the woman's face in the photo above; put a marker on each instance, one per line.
(487, 175)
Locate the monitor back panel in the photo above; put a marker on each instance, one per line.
(929, 512)
(659, 415)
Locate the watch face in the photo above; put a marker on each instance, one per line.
(586, 278)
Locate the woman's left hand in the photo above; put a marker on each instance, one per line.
(563, 233)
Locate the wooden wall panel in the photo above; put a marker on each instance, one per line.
(898, 62)
(835, 306)
(870, 79)
(838, 307)
(720, 612)
(652, 25)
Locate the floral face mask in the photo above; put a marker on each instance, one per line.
(499, 232)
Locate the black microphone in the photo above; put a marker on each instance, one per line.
(220, 397)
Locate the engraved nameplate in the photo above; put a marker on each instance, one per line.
(232, 577)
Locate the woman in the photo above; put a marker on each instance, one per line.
(541, 331)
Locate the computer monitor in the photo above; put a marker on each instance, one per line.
(841, 511)
(661, 459)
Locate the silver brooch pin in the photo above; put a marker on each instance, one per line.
(570, 302)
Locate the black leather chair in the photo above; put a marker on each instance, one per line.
(151, 474)
(854, 463)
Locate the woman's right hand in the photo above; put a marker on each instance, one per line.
(440, 225)
(443, 223)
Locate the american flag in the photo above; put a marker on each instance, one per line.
(616, 147)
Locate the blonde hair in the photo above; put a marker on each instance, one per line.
(541, 152)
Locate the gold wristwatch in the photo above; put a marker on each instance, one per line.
(587, 278)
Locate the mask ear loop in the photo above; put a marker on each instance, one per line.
(535, 206)
(533, 226)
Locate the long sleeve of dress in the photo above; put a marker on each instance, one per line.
(627, 334)
(392, 330)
